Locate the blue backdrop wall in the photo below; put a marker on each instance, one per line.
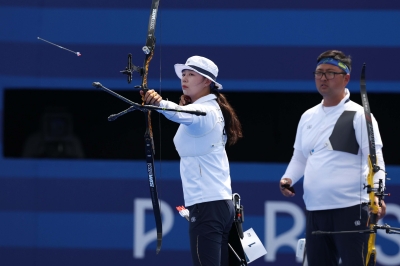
(95, 212)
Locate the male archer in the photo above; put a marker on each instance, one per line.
(331, 152)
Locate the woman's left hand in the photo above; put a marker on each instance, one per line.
(151, 97)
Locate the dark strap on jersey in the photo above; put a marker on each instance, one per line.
(343, 137)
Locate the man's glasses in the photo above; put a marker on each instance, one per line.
(328, 75)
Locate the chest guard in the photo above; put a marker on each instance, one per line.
(189, 142)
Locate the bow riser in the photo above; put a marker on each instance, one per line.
(373, 218)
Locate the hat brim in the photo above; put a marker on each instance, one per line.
(180, 67)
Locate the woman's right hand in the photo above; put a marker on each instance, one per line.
(184, 100)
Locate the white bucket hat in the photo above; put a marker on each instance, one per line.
(201, 65)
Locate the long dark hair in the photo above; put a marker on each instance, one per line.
(233, 128)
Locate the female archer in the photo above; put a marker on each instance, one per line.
(204, 167)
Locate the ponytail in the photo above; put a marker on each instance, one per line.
(233, 128)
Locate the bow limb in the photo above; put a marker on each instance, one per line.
(373, 168)
(148, 49)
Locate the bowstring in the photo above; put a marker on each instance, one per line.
(159, 92)
(361, 160)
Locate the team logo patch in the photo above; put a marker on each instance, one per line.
(357, 223)
(193, 219)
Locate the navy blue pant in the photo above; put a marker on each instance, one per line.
(327, 249)
(209, 226)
